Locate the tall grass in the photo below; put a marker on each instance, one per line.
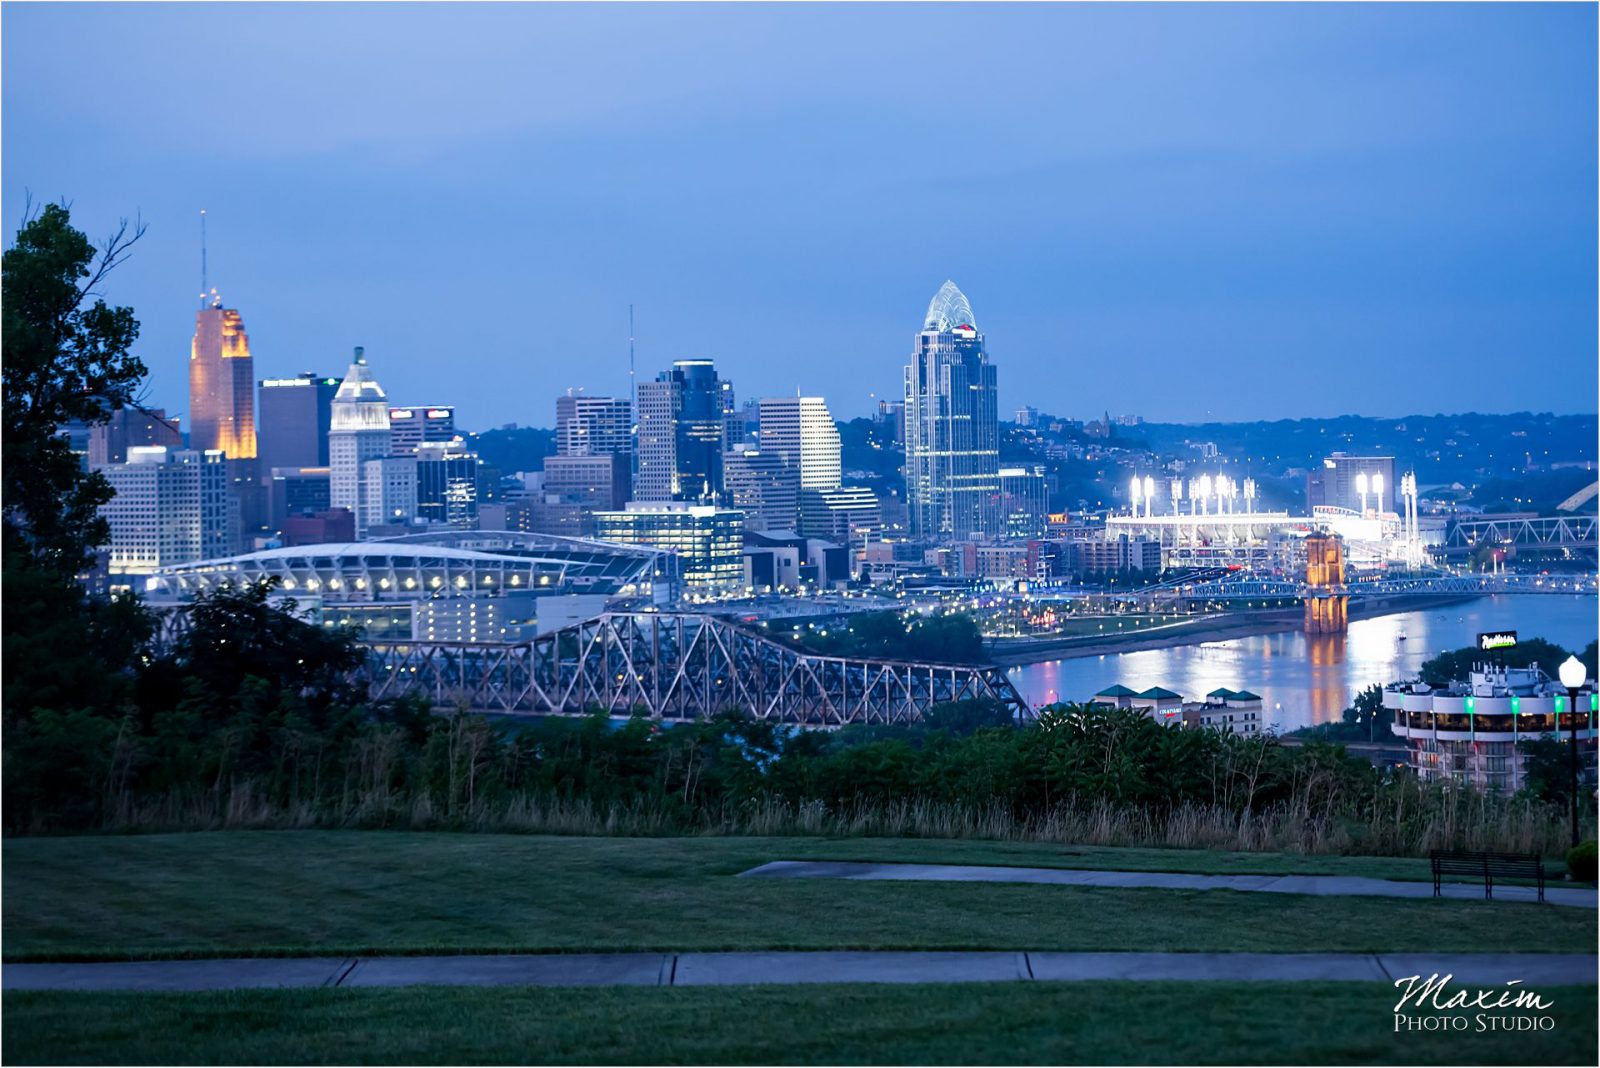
(1428, 818)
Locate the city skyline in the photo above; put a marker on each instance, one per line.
(1413, 198)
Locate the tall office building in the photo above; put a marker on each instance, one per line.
(952, 427)
(763, 487)
(593, 426)
(709, 540)
(171, 507)
(447, 483)
(801, 432)
(681, 423)
(129, 428)
(359, 434)
(295, 414)
(413, 427)
(222, 397)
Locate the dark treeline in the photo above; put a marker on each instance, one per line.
(249, 719)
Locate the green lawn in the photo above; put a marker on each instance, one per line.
(315, 892)
(1002, 1023)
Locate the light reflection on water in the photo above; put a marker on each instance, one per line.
(1312, 678)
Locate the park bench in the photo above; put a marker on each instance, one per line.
(1488, 866)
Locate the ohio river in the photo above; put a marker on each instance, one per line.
(1303, 678)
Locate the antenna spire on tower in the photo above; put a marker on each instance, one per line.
(203, 289)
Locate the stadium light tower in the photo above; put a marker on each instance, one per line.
(1377, 490)
(1133, 494)
(1361, 488)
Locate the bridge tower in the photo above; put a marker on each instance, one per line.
(1327, 602)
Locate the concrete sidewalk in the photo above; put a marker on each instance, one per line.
(725, 969)
(1319, 885)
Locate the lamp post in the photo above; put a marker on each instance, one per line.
(1572, 677)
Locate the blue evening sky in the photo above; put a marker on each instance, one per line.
(1191, 211)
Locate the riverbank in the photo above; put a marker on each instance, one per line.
(1009, 652)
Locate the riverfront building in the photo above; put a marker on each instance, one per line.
(1469, 731)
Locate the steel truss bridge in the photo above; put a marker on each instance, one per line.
(1466, 536)
(676, 668)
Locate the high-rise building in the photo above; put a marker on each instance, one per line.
(801, 432)
(847, 516)
(1024, 501)
(763, 487)
(681, 426)
(447, 483)
(412, 427)
(388, 493)
(294, 419)
(222, 393)
(599, 481)
(358, 434)
(593, 426)
(952, 426)
(171, 507)
(708, 540)
(293, 491)
(129, 428)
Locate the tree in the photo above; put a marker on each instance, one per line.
(63, 362)
(1454, 666)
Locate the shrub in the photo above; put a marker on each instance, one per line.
(1581, 861)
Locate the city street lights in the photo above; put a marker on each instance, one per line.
(1572, 674)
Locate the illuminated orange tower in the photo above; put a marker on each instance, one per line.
(1327, 604)
(222, 399)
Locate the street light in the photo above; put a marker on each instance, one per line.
(1573, 674)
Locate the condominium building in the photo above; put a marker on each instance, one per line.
(1024, 501)
(1470, 730)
